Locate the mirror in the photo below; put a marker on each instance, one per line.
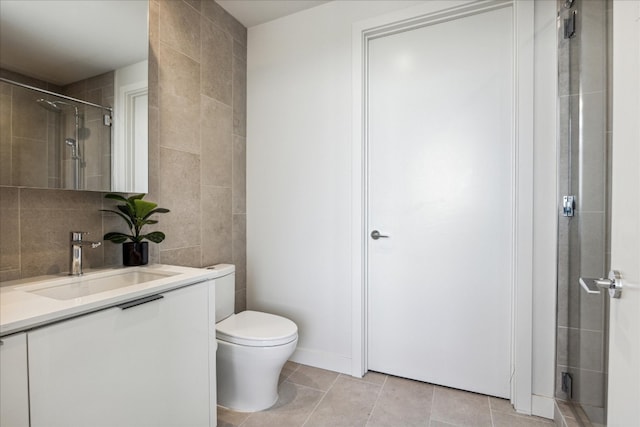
(73, 94)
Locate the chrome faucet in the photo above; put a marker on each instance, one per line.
(75, 267)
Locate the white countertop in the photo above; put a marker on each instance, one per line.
(21, 309)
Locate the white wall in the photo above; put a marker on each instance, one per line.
(299, 180)
(299, 174)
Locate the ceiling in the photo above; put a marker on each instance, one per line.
(63, 41)
(255, 12)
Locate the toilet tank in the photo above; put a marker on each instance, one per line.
(225, 291)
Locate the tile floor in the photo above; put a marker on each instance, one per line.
(313, 397)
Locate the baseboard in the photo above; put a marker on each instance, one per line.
(542, 406)
(318, 359)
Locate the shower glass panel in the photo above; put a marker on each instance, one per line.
(583, 244)
(50, 141)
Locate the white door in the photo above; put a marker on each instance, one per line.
(441, 187)
(624, 319)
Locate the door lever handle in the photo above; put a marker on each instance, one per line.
(613, 284)
(375, 235)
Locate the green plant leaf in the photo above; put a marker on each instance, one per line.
(155, 211)
(116, 237)
(143, 208)
(155, 237)
(135, 212)
(126, 209)
(115, 197)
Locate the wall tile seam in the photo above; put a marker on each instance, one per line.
(225, 187)
(30, 213)
(233, 245)
(19, 208)
(577, 368)
(180, 248)
(173, 48)
(222, 28)
(165, 147)
(590, 92)
(240, 58)
(191, 6)
(598, 331)
(29, 139)
(217, 101)
(582, 369)
(176, 48)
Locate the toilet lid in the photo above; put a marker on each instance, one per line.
(256, 329)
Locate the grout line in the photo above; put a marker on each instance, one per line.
(433, 401)
(320, 401)
(245, 420)
(375, 403)
(581, 329)
(19, 211)
(297, 366)
(490, 411)
(304, 386)
(577, 368)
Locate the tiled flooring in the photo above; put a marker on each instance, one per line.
(313, 397)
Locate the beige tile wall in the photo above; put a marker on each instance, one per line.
(197, 116)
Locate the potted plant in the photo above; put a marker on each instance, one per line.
(136, 213)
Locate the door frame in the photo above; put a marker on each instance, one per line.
(624, 314)
(522, 261)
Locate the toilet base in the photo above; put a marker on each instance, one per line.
(247, 377)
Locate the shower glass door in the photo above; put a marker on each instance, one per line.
(50, 141)
(583, 251)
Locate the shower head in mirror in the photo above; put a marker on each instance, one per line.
(49, 105)
(56, 106)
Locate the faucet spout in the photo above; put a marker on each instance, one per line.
(75, 266)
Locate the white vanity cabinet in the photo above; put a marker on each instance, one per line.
(129, 365)
(14, 392)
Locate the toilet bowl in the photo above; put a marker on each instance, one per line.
(252, 349)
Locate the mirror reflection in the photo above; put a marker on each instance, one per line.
(73, 102)
(54, 142)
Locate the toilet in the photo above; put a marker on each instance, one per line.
(252, 349)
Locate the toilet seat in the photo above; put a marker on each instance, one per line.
(256, 329)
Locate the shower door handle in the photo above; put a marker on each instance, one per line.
(375, 235)
(613, 283)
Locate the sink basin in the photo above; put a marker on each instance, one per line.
(87, 285)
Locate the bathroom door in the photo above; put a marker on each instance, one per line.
(441, 197)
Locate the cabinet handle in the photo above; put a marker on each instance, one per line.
(140, 301)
